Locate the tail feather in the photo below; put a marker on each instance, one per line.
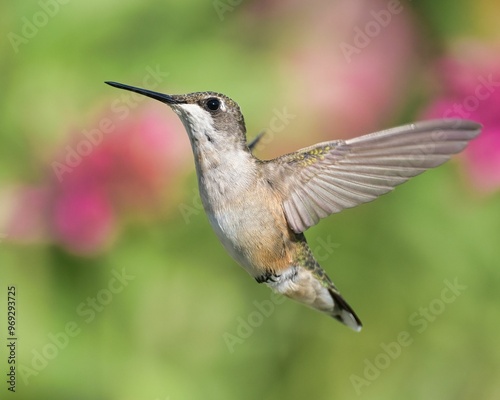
(344, 313)
(315, 289)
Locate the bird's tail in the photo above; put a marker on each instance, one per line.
(343, 312)
(311, 286)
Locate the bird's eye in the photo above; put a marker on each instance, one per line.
(213, 104)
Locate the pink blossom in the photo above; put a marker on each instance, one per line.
(83, 219)
(348, 62)
(470, 89)
(92, 185)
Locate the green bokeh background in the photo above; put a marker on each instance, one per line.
(165, 335)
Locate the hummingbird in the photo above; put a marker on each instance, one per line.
(260, 209)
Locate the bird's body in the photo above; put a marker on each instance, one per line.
(246, 214)
(260, 209)
(242, 201)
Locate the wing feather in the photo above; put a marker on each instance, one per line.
(329, 177)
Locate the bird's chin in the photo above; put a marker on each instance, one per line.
(176, 109)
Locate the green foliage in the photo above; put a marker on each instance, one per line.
(181, 327)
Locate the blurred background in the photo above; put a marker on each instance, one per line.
(122, 289)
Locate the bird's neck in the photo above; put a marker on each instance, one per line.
(224, 175)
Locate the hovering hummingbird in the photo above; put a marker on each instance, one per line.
(259, 209)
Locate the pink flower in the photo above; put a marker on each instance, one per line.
(83, 219)
(471, 90)
(25, 213)
(348, 62)
(95, 180)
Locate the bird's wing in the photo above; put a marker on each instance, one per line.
(326, 178)
(255, 140)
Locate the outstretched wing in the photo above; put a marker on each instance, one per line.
(326, 178)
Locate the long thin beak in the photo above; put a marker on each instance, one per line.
(164, 98)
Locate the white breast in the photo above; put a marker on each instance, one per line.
(231, 210)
